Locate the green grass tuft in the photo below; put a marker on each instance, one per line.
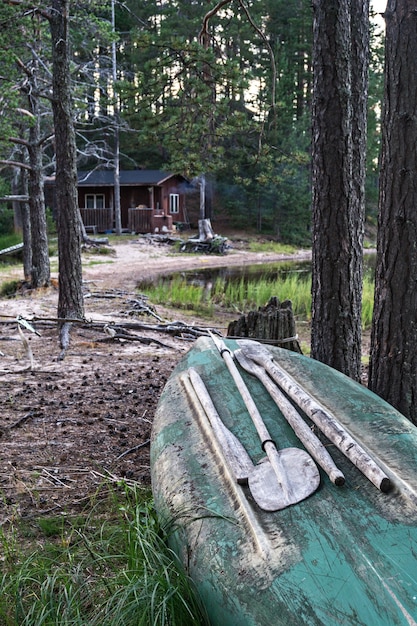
(271, 246)
(111, 569)
(9, 288)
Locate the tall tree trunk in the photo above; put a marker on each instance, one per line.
(340, 58)
(393, 364)
(116, 155)
(70, 301)
(40, 272)
(22, 216)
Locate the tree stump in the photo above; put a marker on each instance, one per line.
(205, 230)
(273, 323)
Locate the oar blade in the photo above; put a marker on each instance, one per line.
(235, 453)
(301, 471)
(233, 450)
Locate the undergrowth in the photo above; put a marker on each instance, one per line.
(101, 569)
(10, 239)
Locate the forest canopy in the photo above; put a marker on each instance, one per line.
(222, 92)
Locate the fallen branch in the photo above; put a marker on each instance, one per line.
(138, 447)
(22, 420)
(27, 347)
(107, 295)
(172, 328)
(121, 336)
(142, 309)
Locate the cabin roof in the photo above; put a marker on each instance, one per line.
(105, 178)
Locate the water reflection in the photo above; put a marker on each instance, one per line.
(268, 272)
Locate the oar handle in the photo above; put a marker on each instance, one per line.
(247, 398)
(268, 444)
(301, 429)
(325, 420)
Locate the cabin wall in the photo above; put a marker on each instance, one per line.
(174, 187)
(165, 210)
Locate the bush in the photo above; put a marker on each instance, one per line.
(6, 220)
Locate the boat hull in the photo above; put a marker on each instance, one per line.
(345, 555)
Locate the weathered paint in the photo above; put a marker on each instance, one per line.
(345, 555)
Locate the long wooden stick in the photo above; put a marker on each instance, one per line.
(303, 432)
(267, 444)
(324, 419)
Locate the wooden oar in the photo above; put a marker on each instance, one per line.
(234, 452)
(303, 432)
(291, 471)
(324, 419)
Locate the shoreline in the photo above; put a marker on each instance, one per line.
(138, 261)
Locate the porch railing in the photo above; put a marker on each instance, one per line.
(102, 219)
(140, 220)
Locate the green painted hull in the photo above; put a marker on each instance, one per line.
(345, 555)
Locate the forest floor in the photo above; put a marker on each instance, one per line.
(69, 425)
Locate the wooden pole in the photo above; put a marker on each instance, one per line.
(290, 490)
(325, 420)
(303, 432)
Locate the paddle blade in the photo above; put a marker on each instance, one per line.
(302, 475)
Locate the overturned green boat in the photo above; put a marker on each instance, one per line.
(276, 527)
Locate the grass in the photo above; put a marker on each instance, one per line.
(245, 295)
(9, 240)
(179, 294)
(271, 246)
(367, 301)
(8, 261)
(111, 569)
(9, 288)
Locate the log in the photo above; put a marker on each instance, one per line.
(273, 323)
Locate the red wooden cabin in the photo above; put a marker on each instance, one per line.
(150, 200)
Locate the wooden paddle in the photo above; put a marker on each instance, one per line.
(234, 452)
(286, 476)
(301, 429)
(324, 419)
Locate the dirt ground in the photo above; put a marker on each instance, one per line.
(67, 425)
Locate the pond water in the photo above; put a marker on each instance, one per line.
(268, 272)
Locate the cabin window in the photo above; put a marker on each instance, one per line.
(94, 201)
(174, 203)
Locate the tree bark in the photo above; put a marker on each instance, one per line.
(40, 271)
(22, 216)
(340, 60)
(393, 363)
(70, 301)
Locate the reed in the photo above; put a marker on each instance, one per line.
(244, 295)
(367, 301)
(180, 294)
